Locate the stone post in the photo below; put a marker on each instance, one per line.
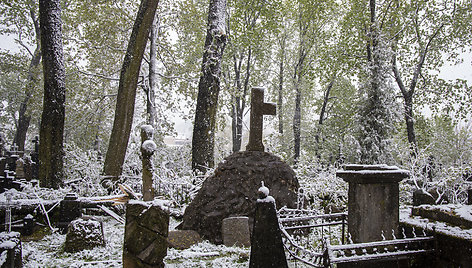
(148, 147)
(267, 249)
(373, 201)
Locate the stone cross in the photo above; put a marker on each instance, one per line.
(258, 109)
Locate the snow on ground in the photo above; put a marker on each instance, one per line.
(48, 252)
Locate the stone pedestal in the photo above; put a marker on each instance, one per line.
(146, 232)
(373, 200)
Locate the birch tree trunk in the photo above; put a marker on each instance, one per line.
(203, 141)
(127, 90)
(52, 118)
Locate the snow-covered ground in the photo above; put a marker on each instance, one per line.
(48, 252)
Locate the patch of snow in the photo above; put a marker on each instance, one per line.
(149, 146)
(268, 199)
(465, 212)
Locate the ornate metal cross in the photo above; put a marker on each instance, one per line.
(258, 109)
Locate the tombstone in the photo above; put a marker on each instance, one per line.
(421, 197)
(69, 210)
(267, 249)
(84, 234)
(10, 250)
(146, 233)
(373, 200)
(373, 206)
(258, 109)
(28, 225)
(183, 239)
(229, 192)
(19, 170)
(235, 231)
(28, 168)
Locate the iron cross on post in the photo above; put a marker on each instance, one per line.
(258, 109)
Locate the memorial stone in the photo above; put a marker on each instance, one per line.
(373, 200)
(235, 232)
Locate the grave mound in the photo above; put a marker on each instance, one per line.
(231, 191)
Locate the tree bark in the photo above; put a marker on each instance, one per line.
(297, 123)
(127, 90)
(203, 140)
(52, 118)
(23, 117)
(150, 99)
(280, 99)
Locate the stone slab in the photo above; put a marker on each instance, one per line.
(235, 232)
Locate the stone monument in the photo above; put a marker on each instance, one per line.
(230, 191)
(373, 201)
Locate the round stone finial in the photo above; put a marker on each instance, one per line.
(263, 191)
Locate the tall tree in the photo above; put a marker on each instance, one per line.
(425, 32)
(127, 89)
(52, 118)
(203, 140)
(24, 117)
(311, 19)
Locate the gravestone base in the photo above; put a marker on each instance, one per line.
(146, 232)
(84, 234)
(230, 192)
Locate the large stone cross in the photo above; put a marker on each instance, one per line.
(258, 109)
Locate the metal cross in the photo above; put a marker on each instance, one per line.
(258, 109)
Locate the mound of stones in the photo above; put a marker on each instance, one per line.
(232, 191)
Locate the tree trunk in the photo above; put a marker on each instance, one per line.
(236, 102)
(23, 117)
(52, 118)
(297, 122)
(203, 140)
(280, 90)
(150, 95)
(127, 89)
